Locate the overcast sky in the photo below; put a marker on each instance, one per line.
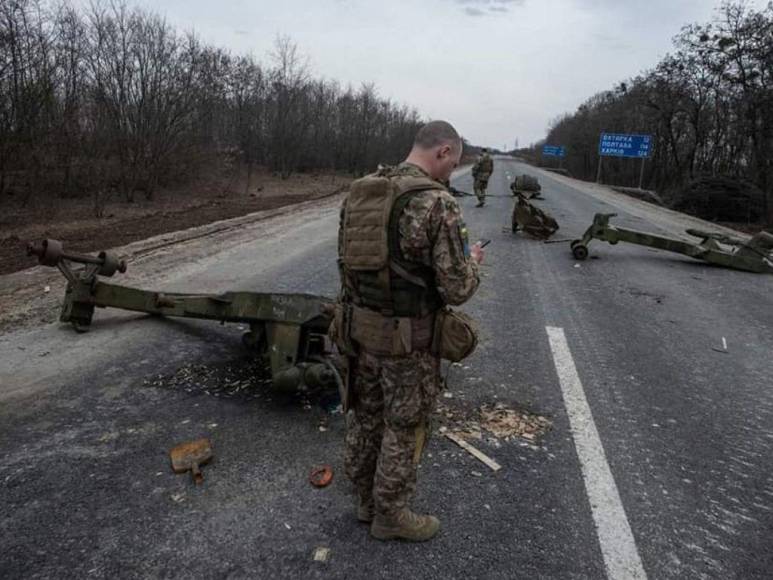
(497, 69)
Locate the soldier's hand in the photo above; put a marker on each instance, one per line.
(476, 252)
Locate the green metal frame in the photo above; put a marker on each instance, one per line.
(753, 255)
(288, 331)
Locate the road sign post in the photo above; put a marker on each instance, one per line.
(624, 145)
(555, 151)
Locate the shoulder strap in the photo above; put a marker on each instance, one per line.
(397, 262)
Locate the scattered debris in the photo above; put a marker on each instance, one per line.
(479, 455)
(497, 421)
(506, 423)
(658, 298)
(321, 476)
(321, 554)
(189, 456)
(46, 289)
(723, 350)
(244, 379)
(178, 497)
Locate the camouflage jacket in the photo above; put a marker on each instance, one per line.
(433, 233)
(484, 165)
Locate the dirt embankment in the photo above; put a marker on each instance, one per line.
(72, 221)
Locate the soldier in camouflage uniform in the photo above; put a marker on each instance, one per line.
(430, 264)
(481, 171)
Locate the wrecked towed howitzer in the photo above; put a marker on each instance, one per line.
(753, 255)
(532, 220)
(527, 186)
(287, 331)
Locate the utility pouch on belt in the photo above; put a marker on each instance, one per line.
(339, 331)
(390, 336)
(455, 336)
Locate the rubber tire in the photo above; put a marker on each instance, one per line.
(580, 251)
(52, 253)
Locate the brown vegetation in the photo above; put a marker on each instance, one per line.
(709, 106)
(114, 101)
(122, 222)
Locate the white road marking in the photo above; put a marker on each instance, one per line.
(621, 557)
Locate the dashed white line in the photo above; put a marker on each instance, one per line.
(621, 557)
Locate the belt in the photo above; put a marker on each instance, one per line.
(391, 335)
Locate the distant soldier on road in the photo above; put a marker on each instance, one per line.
(481, 171)
(403, 256)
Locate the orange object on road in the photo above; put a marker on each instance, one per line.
(189, 456)
(321, 476)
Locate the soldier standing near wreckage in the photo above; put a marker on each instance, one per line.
(481, 171)
(403, 256)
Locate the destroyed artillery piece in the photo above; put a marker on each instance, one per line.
(287, 331)
(526, 186)
(753, 255)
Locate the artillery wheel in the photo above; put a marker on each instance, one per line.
(111, 264)
(579, 251)
(51, 252)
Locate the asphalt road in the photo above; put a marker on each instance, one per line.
(667, 472)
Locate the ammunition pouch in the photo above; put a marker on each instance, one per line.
(390, 335)
(455, 336)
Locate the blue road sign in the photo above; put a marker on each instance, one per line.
(554, 150)
(622, 145)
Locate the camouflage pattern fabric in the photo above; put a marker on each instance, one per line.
(480, 186)
(433, 233)
(481, 171)
(533, 220)
(392, 396)
(393, 400)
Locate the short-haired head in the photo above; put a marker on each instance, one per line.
(437, 133)
(437, 149)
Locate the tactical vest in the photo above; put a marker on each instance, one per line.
(376, 274)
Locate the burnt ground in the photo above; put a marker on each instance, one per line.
(72, 220)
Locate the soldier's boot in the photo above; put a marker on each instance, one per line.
(365, 509)
(481, 202)
(404, 525)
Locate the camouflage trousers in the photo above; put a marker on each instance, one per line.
(479, 186)
(386, 433)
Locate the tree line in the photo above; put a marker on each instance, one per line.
(708, 105)
(114, 98)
